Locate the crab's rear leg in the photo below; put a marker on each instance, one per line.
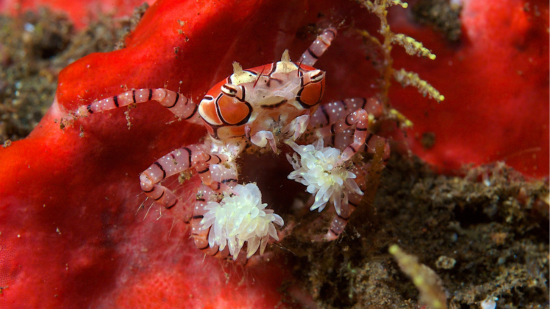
(175, 102)
(340, 220)
(173, 163)
(318, 47)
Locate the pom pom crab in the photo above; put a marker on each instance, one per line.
(271, 104)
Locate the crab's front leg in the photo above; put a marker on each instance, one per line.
(173, 163)
(175, 102)
(261, 138)
(328, 172)
(316, 167)
(292, 131)
(337, 117)
(297, 127)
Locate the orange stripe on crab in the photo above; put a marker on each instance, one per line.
(313, 88)
(208, 111)
(232, 111)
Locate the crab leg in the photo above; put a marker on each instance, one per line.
(318, 47)
(360, 118)
(330, 113)
(334, 120)
(342, 186)
(340, 220)
(173, 163)
(342, 216)
(297, 127)
(223, 179)
(204, 168)
(177, 103)
(362, 136)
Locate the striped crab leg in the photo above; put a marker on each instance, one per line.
(334, 121)
(361, 136)
(341, 218)
(318, 47)
(329, 113)
(174, 163)
(175, 102)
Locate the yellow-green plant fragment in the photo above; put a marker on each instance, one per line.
(412, 79)
(381, 5)
(401, 119)
(424, 278)
(412, 46)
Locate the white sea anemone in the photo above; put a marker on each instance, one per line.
(317, 169)
(241, 217)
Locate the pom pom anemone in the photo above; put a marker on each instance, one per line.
(319, 170)
(241, 217)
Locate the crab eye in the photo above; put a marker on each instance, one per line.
(234, 91)
(316, 76)
(207, 99)
(229, 90)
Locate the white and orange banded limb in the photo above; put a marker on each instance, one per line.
(175, 162)
(175, 102)
(340, 219)
(334, 120)
(318, 47)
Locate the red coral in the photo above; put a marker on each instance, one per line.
(70, 236)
